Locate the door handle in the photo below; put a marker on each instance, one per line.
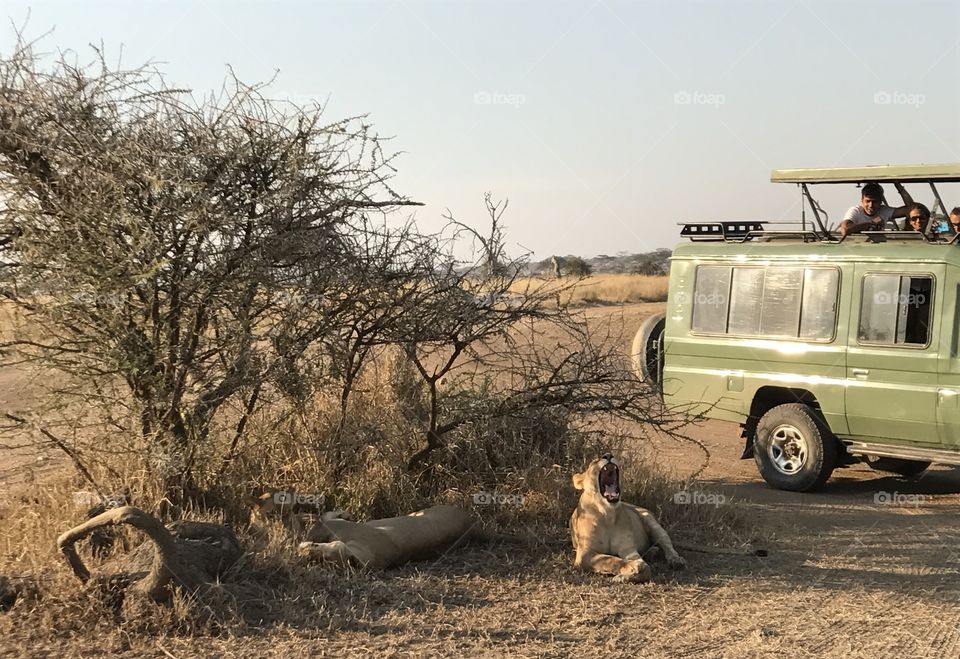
(860, 373)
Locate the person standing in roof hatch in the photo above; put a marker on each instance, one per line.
(872, 214)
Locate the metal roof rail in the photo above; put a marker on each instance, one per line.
(807, 236)
(718, 230)
(742, 231)
(883, 236)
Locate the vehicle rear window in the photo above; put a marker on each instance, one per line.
(775, 302)
(895, 309)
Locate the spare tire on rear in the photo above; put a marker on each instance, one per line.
(646, 353)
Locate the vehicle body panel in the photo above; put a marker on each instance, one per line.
(910, 394)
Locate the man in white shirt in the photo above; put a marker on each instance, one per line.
(872, 214)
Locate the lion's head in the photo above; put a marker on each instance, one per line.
(601, 478)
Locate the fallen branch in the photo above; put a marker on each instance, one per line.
(188, 555)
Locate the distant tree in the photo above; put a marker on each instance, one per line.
(652, 263)
(574, 266)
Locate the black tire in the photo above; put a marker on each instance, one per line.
(794, 449)
(646, 353)
(899, 466)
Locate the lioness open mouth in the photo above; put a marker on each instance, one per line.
(609, 482)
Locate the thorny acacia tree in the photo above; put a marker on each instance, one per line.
(178, 258)
(191, 250)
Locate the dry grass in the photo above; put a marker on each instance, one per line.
(271, 594)
(605, 289)
(271, 597)
(842, 581)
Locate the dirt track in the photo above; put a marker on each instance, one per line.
(847, 576)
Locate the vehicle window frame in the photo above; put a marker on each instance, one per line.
(933, 302)
(760, 337)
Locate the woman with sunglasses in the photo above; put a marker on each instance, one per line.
(918, 217)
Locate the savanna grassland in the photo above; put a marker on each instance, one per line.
(846, 575)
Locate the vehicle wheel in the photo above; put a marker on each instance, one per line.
(897, 465)
(794, 449)
(646, 353)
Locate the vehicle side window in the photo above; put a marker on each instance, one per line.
(819, 303)
(782, 292)
(895, 309)
(711, 294)
(775, 302)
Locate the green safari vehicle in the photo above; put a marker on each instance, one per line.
(826, 350)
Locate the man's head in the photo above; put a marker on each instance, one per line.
(955, 217)
(871, 198)
(918, 216)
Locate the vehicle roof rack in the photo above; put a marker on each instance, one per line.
(742, 231)
(738, 232)
(719, 230)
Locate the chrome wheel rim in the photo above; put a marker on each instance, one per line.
(787, 449)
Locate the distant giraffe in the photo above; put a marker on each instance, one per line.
(556, 266)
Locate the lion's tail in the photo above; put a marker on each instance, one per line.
(703, 549)
(484, 536)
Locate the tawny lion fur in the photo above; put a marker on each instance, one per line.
(611, 537)
(384, 543)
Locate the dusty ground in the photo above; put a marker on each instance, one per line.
(847, 576)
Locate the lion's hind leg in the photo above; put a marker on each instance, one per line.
(336, 551)
(660, 538)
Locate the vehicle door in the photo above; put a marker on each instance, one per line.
(948, 394)
(892, 356)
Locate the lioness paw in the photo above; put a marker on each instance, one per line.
(636, 571)
(653, 554)
(677, 562)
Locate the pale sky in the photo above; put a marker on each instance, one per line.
(604, 122)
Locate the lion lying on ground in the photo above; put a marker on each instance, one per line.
(611, 536)
(296, 513)
(384, 543)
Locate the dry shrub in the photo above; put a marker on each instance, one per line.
(529, 454)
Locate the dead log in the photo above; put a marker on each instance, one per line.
(188, 555)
